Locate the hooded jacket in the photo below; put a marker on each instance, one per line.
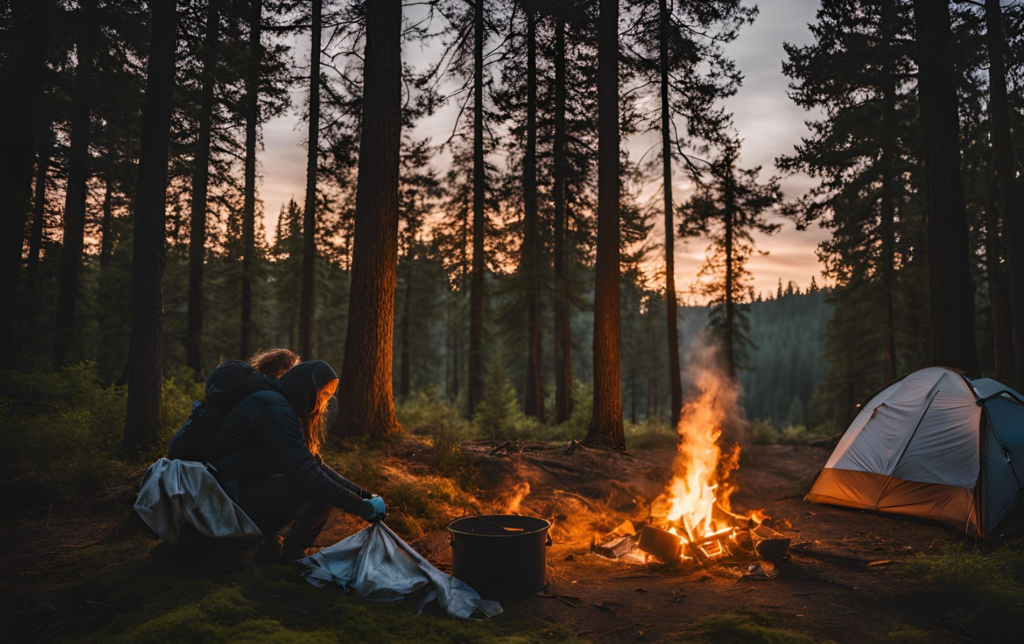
(263, 437)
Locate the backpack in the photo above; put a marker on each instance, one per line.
(226, 387)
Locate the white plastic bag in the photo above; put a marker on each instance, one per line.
(377, 565)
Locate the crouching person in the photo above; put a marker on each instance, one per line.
(273, 469)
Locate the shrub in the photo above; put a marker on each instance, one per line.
(652, 433)
(62, 431)
(762, 432)
(428, 412)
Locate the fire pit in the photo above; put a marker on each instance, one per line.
(692, 521)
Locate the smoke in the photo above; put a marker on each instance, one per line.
(710, 419)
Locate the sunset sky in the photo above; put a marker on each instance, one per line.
(766, 119)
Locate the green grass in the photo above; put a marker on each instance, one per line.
(981, 593)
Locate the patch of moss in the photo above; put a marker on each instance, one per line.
(981, 593)
(742, 628)
(273, 604)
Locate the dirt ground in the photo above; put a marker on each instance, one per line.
(623, 602)
(585, 494)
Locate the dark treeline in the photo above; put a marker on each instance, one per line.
(530, 249)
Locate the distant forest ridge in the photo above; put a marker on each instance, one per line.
(787, 362)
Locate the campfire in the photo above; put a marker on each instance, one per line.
(692, 521)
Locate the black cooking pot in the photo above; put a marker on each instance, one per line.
(500, 556)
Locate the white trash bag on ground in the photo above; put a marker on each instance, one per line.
(377, 565)
(176, 493)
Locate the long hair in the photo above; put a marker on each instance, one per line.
(314, 430)
(273, 362)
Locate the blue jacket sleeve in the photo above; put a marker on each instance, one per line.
(282, 433)
(342, 481)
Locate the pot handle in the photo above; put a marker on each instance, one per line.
(548, 541)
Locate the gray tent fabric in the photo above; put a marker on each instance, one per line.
(174, 493)
(376, 564)
(917, 448)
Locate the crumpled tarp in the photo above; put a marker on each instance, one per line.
(184, 492)
(376, 564)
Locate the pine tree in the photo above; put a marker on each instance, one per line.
(951, 291)
(307, 310)
(145, 362)
(606, 429)
(200, 185)
(728, 207)
(859, 72)
(25, 40)
(73, 237)
(1009, 203)
(677, 49)
(368, 406)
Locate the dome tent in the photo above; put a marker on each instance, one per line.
(933, 444)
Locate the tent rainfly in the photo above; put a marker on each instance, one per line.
(934, 444)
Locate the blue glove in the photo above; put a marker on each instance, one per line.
(373, 510)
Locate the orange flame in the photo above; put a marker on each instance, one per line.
(701, 469)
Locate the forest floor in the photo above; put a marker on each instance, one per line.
(82, 572)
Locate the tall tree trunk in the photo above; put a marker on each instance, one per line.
(252, 115)
(22, 81)
(404, 384)
(729, 339)
(951, 292)
(107, 224)
(35, 238)
(534, 398)
(307, 302)
(674, 375)
(77, 188)
(606, 428)
(145, 344)
(888, 205)
(476, 285)
(1002, 151)
(563, 330)
(998, 290)
(200, 184)
(368, 404)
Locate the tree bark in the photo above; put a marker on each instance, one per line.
(563, 330)
(476, 284)
(145, 344)
(1012, 210)
(888, 196)
(729, 197)
(404, 384)
(951, 292)
(533, 404)
(77, 188)
(674, 375)
(35, 238)
(200, 184)
(307, 301)
(368, 404)
(606, 428)
(23, 83)
(252, 114)
(998, 290)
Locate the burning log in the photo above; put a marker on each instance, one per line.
(660, 543)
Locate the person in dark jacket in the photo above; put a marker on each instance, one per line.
(273, 469)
